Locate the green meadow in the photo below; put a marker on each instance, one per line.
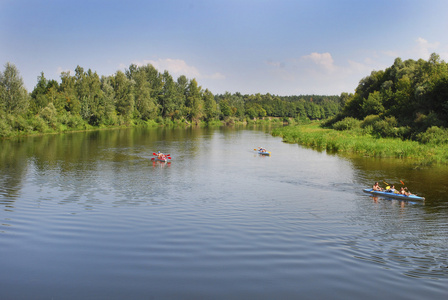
(354, 141)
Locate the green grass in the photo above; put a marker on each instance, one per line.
(366, 145)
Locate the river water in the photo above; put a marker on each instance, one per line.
(90, 216)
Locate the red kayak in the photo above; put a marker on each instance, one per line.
(161, 157)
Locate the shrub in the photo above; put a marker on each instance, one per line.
(302, 120)
(433, 135)
(404, 132)
(5, 128)
(19, 123)
(369, 121)
(386, 127)
(39, 124)
(75, 122)
(348, 123)
(49, 113)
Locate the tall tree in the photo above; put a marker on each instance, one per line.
(145, 104)
(14, 98)
(39, 98)
(95, 98)
(124, 97)
(88, 91)
(171, 97)
(67, 87)
(182, 87)
(194, 102)
(210, 107)
(110, 114)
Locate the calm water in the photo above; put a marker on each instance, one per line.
(90, 216)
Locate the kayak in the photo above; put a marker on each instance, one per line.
(394, 196)
(161, 159)
(264, 153)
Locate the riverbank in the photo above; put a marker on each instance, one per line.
(316, 137)
(29, 128)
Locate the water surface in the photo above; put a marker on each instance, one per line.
(91, 216)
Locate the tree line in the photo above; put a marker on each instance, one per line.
(137, 95)
(408, 100)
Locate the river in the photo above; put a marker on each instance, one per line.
(89, 215)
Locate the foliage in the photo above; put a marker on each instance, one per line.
(434, 135)
(348, 123)
(14, 98)
(140, 95)
(409, 97)
(344, 141)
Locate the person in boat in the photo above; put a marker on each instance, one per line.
(376, 187)
(160, 155)
(391, 189)
(261, 149)
(404, 192)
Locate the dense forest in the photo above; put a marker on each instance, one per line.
(139, 95)
(408, 100)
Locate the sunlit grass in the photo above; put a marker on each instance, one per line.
(366, 145)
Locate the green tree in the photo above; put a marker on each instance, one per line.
(124, 98)
(67, 88)
(82, 91)
(224, 106)
(14, 98)
(253, 109)
(210, 107)
(300, 109)
(145, 103)
(373, 105)
(39, 98)
(88, 91)
(110, 115)
(194, 102)
(182, 87)
(171, 98)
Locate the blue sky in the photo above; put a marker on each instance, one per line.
(249, 46)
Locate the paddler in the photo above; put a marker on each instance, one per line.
(392, 189)
(403, 191)
(376, 187)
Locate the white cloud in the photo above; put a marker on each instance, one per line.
(424, 48)
(359, 68)
(276, 64)
(217, 75)
(421, 49)
(173, 66)
(178, 67)
(60, 70)
(322, 59)
(391, 53)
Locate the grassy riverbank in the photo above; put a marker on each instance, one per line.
(20, 127)
(314, 136)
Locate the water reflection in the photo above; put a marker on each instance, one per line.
(219, 213)
(429, 182)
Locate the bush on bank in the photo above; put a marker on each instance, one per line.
(362, 143)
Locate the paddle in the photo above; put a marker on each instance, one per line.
(153, 158)
(260, 150)
(157, 154)
(405, 187)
